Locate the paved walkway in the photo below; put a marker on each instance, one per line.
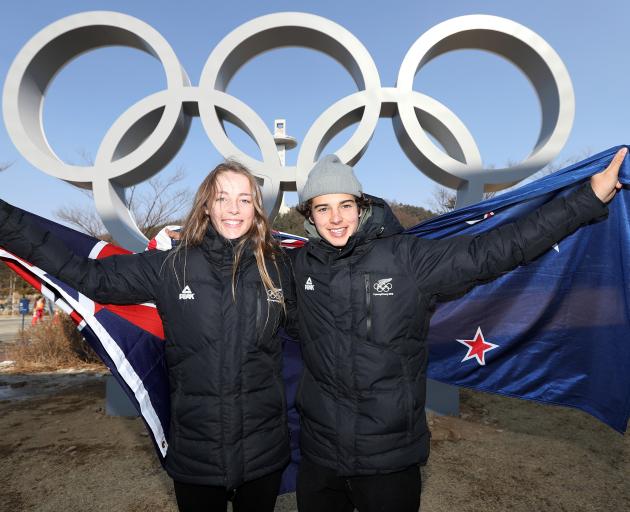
(10, 327)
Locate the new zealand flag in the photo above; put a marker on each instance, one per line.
(555, 331)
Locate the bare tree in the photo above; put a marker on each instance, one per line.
(84, 218)
(153, 204)
(162, 201)
(443, 200)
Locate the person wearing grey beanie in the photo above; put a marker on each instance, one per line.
(332, 186)
(365, 295)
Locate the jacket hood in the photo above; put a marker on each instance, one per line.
(381, 221)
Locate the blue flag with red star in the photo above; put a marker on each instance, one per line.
(556, 330)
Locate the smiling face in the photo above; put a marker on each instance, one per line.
(231, 208)
(336, 217)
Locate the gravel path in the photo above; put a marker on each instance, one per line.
(59, 451)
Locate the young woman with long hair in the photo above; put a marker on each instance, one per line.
(222, 294)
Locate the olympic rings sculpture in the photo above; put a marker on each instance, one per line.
(147, 136)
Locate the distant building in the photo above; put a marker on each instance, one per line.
(283, 142)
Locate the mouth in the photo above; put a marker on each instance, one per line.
(232, 223)
(338, 232)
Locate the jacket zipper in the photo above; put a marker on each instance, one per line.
(222, 356)
(368, 305)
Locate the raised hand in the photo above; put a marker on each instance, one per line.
(606, 183)
(174, 235)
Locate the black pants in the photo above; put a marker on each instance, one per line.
(319, 489)
(254, 496)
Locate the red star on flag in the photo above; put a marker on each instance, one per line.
(477, 347)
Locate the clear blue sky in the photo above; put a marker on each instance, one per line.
(492, 98)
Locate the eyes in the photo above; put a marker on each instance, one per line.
(244, 201)
(345, 208)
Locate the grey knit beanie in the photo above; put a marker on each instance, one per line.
(330, 176)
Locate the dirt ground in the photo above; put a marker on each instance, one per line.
(60, 452)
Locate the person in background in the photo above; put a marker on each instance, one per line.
(38, 310)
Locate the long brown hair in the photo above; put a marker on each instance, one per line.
(259, 234)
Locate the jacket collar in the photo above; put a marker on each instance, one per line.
(220, 250)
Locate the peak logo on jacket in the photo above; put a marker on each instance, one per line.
(186, 293)
(309, 285)
(384, 287)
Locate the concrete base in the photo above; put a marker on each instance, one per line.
(442, 398)
(117, 402)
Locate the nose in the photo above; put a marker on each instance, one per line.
(232, 207)
(335, 216)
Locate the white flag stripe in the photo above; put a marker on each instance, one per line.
(96, 250)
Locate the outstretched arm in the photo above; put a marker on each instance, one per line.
(450, 267)
(121, 279)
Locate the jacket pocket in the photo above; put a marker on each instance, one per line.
(390, 307)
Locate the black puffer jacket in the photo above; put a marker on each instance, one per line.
(364, 311)
(228, 412)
